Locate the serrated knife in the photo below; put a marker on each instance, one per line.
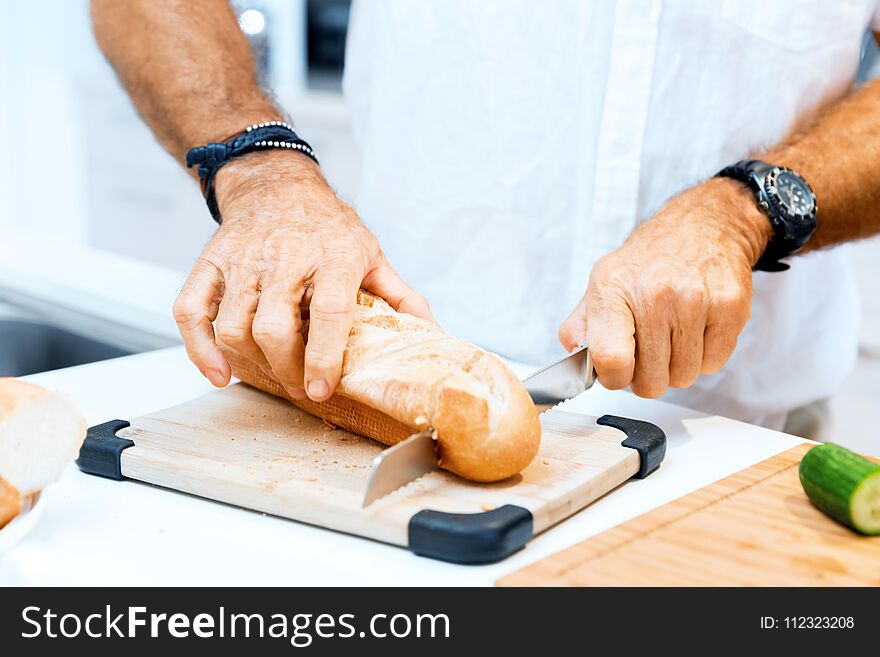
(564, 379)
(416, 456)
(400, 464)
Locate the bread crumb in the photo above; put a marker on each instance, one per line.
(545, 462)
(312, 479)
(487, 507)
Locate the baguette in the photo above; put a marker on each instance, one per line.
(403, 374)
(40, 433)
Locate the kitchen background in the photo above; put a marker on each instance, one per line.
(91, 257)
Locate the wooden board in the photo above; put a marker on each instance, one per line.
(754, 528)
(247, 448)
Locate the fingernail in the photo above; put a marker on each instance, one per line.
(214, 376)
(318, 389)
(296, 393)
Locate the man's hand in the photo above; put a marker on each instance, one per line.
(672, 301)
(286, 243)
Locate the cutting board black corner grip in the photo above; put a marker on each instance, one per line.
(101, 451)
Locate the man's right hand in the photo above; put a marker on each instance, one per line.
(286, 243)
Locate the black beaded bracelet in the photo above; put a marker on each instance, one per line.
(210, 158)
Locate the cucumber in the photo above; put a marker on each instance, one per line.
(844, 485)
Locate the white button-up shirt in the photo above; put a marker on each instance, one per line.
(509, 144)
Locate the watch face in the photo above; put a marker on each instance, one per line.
(793, 194)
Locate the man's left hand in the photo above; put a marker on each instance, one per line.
(671, 302)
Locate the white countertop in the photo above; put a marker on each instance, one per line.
(96, 531)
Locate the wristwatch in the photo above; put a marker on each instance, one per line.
(789, 202)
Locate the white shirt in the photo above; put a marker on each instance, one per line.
(507, 145)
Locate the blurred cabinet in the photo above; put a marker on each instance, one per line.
(140, 202)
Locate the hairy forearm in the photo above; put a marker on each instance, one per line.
(839, 155)
(186, 65)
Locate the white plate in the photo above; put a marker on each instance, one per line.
(23, 523)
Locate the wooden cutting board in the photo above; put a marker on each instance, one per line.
(247, 448)
(754, 528)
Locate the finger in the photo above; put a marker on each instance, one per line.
(653, 349)
(686, 356)
(276, 330)
(727, 317)
(387, 283)
(718, 345)
(194, 310)
(610, 334)
(331, 313)
(236, 316)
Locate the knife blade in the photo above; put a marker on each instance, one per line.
(564, 379)
(400, 464)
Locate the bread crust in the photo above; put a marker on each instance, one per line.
(402, 374)
(10, 502)
(15, 393)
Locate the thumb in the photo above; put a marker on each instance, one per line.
(573, 331)
(387, 283)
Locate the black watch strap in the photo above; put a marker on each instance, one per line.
(745, 171)
(751, 172)
(210, 158)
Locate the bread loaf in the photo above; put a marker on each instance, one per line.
(402, 374)
(40, 433)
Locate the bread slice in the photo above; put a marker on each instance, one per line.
(10, 502)
(402, 374)
(40, 433)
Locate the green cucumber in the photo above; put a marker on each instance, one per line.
(844, 485)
